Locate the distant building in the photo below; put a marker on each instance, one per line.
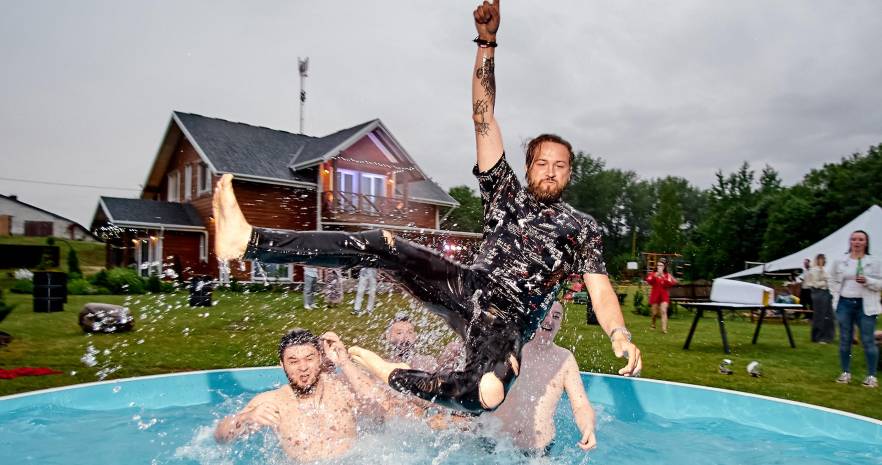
(354, 179)
(21, 219)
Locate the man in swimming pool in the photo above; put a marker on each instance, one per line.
(314, 415)
(527, 415)
(532, 242)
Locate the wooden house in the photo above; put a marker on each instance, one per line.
(354, 179)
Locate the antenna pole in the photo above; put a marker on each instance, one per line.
(303, 65)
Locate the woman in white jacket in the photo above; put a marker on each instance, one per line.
(855, 282)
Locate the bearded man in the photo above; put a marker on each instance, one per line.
(314, 415)
(532, 242)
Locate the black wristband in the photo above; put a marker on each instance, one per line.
(484, 43)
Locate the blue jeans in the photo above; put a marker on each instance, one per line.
(850, 312)
(309, 289)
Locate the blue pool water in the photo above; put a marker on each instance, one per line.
(169, 420)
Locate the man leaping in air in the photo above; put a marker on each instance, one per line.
(532, 242)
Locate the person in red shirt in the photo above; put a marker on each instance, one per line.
(659, 299)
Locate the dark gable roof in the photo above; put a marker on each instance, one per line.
(243, 149)
(151, 212)
(315, 150)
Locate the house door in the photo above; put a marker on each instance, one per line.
(148, 256)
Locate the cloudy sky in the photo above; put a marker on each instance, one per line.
(659, 87)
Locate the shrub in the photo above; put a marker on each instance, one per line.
(80, 286)
(23, 286)
(99, 279)
(233, 286)
(73, 265)
(640, 307)
(50, 240)
(124, 281)
(167, 287)
(154, 284)
(4, 307)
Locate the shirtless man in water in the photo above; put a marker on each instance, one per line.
(548, 370)
(314, 415)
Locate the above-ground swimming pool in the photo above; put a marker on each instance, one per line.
(169, 419)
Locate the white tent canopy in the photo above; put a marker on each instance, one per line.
(833, 246)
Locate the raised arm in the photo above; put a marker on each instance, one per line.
(368, 392)
(488, 139)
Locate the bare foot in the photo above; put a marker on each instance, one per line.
(374, 364)
(231, 230)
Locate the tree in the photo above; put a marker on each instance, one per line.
(468, 216)
(667, 235)
(73, 264)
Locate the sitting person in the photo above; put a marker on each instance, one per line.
(547, 371)
(314, 415)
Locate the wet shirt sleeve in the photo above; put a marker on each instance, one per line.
(589, 259)
(497, 181)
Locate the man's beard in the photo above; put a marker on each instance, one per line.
(302, 390)
(544, 194)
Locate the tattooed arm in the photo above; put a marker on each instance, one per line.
(487, 136)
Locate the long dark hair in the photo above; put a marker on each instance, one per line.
(866, 236)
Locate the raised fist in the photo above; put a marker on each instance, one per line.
(487, 20)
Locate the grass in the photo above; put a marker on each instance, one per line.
(91, 255)
(243, 330)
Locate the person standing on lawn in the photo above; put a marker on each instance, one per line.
(855, 282)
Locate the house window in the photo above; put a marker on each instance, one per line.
(345, 185)
(373, 187)
(188, 182)
(271, 272)
(174, 187)
(358, 191)
(203, 178)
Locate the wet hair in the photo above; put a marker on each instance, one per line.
(536, 142)
(867, 236)
(298, 337)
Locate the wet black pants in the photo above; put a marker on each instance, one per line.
(491, 327)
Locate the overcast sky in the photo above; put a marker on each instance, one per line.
(659, 87)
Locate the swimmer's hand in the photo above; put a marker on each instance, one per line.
(260, 416)
(334, 349)
(624, 348)
(588, 441)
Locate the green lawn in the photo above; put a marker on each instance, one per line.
(91, 255)
(243, 330)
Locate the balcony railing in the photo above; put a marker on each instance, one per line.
(361, 204)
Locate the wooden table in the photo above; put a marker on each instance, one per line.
(719, 307)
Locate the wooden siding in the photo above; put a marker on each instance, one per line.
(271, 206)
